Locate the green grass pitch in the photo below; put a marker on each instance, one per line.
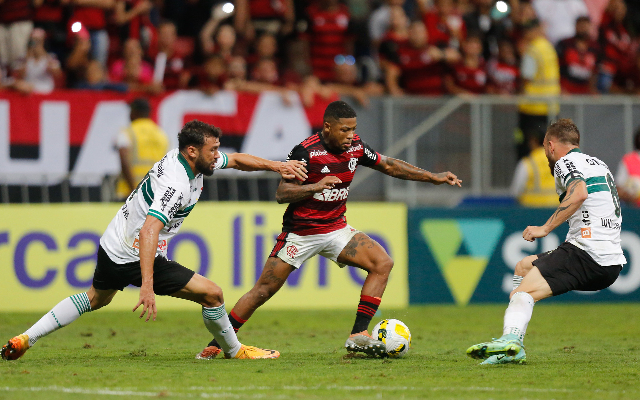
(578, 351)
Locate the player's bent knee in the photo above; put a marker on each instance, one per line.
(213, 296)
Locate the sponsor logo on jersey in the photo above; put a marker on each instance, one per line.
(325, 170)
(332, 194)
(585, 232)
(353, 164)
(317, 153)
(610, 223)
(292, 250)
(174, 208)
(354, 148)
(168, 194)
(161, 167)
(370, 154)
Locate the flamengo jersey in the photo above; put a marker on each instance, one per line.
(595, 227)
(324, 212)
(168, 192)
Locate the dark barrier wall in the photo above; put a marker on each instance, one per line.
(468, 254)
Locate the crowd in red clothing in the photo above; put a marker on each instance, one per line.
(316, 47)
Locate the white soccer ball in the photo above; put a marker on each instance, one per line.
(395, 335)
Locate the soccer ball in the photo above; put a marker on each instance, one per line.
(395, 335)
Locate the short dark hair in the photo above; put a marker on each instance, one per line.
(338, 109)
(195, 132)
(565, 131)
(583, 18)
(140, 108)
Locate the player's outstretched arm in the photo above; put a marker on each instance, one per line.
(576, 195)
(290, 191)
(403, 170)
(292, 169)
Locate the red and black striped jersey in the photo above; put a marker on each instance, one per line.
(324, 212)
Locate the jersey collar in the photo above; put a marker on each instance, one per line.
(186, 166)
(576, 150)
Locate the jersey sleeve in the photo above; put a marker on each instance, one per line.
(566, 172)
(370, 157)
(222, 162)
(299, 153)
(168, 198)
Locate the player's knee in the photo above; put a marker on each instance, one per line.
(263, 293)
(523, 267)
(383, 266)
(213, 296)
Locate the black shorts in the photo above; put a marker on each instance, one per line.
(168, 276)
(571, 268)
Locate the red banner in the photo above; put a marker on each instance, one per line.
(44, 137)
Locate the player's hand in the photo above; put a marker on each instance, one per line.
(148, 302)
(532, 232)
(293, 169)
(447, 177)
(328, 182)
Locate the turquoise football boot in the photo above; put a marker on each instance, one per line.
(509, 345)
(519, 358)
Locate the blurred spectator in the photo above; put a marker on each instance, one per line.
(16, 23)
(140, 145)
(215, 38)
(445, 26)
(380, 21)
(628, 174)
(578, 57)
(95, 79)
(468, 76)
(266, 71)
(349, 83)
(555, 17)
(502, 71)
(92, 15)
(133, 70)
(615, 43)
(482, 22)
(213, 75)
(50, 16)
(273, 16)
(628, 81)
(541, 77)
(170, 68)
(38, 72)
(134, 19)
(265, 46)
(414, 66)
(533, 184)
(78, 59)
(328, 35)
(237, 68)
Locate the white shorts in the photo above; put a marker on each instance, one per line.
(295, 249)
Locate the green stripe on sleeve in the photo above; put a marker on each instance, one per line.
(597, 188)
(596, 179)
(158, 215)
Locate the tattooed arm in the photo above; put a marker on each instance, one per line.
(403, 170)
(290, 191)
(576, 195)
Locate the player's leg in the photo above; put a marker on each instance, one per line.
(64, 313)
(522, 269)
(274, 275)
(209, 295)
(365, 253)
(69, 309)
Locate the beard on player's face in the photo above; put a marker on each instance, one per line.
(204, 167)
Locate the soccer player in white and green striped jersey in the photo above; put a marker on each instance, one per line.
(133, 249)
(590, 259)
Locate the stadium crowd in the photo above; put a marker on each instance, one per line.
(356, 47)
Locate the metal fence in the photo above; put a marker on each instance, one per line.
(471, 136)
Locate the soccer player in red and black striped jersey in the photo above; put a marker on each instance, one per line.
(314, 222)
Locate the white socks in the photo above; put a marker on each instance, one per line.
(517, 280)
(518, 314)
(217, 322)
(64, 313)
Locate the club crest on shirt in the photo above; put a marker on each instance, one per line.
(353, 163)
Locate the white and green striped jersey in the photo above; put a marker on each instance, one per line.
(168, 192)
(595, 227)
